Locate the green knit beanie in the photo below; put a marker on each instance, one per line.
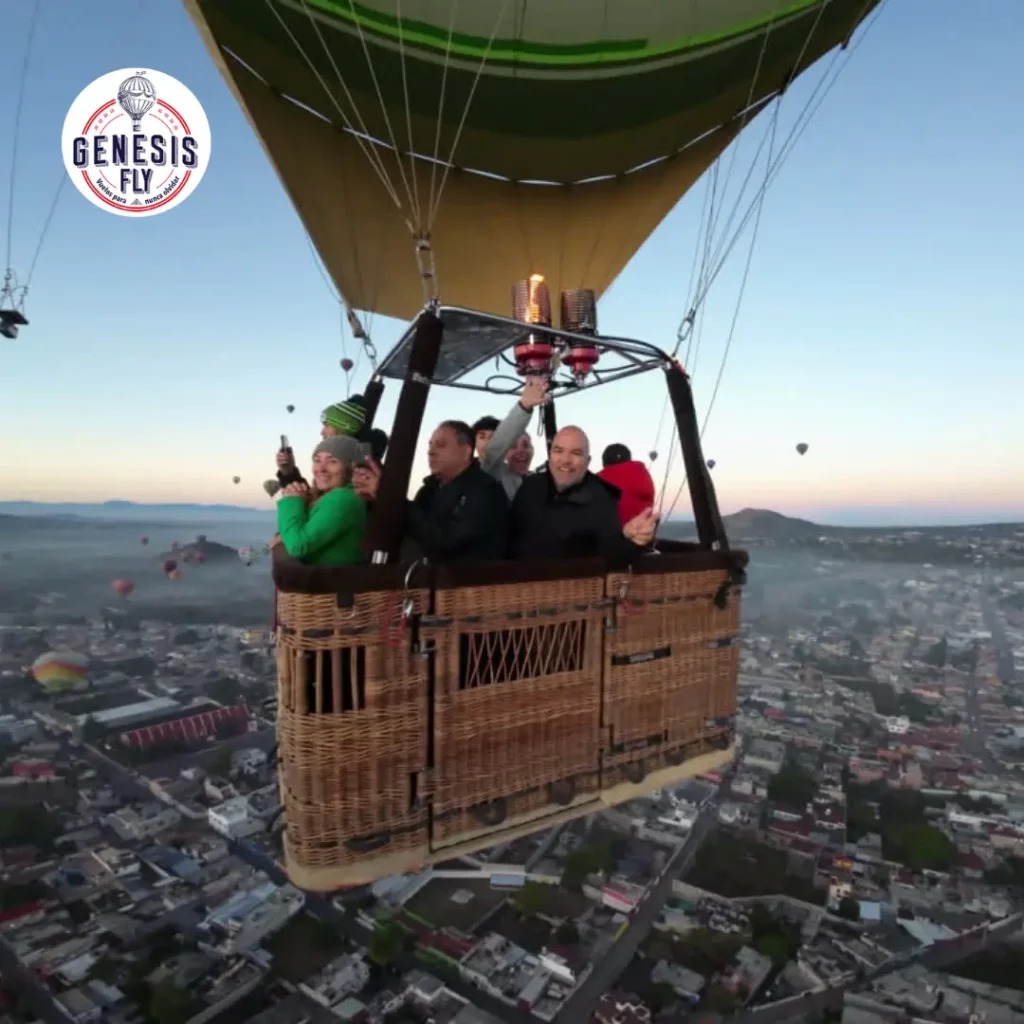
(348, 417)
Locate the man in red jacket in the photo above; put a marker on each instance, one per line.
(631, 478)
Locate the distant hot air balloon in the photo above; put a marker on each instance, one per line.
(123, 587)
(711, 463)
(200, 557)
(245, 554)
(347, 364)
(143, 541)
(653, 456)
(136, 97)
(174, 574)
(169, 565)
(271, 487)
(290, 408)
(60, 670)
(237, 479)
(801, 448)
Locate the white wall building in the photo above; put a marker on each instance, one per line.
(247, 918)
(144, 822)
(898, 725)
(235, 818)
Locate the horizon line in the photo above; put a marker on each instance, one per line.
(200, 506)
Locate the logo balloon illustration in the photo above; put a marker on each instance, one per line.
(136, 97)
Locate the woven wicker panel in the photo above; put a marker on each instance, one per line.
(352, 728)
(671, 664)
(517, 699)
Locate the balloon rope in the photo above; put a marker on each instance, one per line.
(19, 104)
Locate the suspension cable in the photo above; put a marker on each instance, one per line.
(19, 104)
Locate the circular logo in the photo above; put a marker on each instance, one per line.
(136, 143)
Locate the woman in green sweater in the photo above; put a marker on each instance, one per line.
(326, 526)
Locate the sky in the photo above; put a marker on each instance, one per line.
(881, 322)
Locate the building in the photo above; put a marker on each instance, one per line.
(144, 822)
(685, 983)
(341, 978)
(615, 1008)
(78, 1006)
(768, 755)
(898, 725)
(16, 730)
(189, 728)
(247, 918)
(235, 818)
(249, 761)
(621, 895)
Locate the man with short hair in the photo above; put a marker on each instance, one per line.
(496, 441)
(567, 511)
(460, 512)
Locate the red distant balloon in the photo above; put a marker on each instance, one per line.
(123, 587)
(200, 557)
(169, 565)
(144, 540)
(347, 364)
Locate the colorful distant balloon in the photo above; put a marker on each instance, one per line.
(801, 448)
(123, 587)
(200, 557)
(346, 365)
(169, 565)
(175, 574)
(237, 479)
(711, 463)
(143, 541)
(60, 670)
(245, 554)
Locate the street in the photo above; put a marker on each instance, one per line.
(580, 1006)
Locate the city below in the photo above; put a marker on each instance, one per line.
(861, 859)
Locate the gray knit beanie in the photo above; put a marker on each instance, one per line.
(343, 447)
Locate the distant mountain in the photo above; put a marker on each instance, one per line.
(768, 525)
(131, 510)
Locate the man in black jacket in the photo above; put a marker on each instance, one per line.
(460, 512)
(568, 512)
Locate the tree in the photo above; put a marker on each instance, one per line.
(761, 920)
(849, 908)
(169, 1004)
(567, 934)
(226, 690)
(219, 762)
(775, 946)
(660, 996)
(919, 846)
(792, 787)
(91, 731)
(386, 942)
(20, 826)
(530, 899)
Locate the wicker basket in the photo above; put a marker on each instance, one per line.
(418, 725)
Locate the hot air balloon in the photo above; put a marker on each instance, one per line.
(169, 565)
(711, 463)
(59, 671)
(290, 408)
(174, 574)
(143, 541)
(200, 557)
(628, 102)
(136, 97)
(652, 455)
(123, 587)
(245, 554)
(347, 364)
(236, 479)
(802, 448)
(271, 487)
